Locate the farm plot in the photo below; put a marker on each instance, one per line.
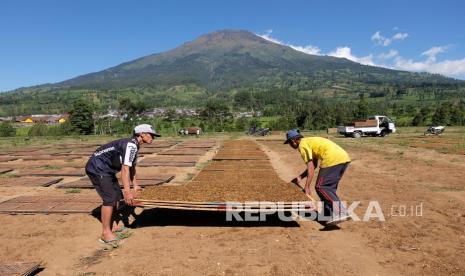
(84, 183)
(184, 151)
(173, 158)
(197, 144)
(51, 171)
(50, 204)
(169, 161)
(447, 143)
(161, 144)
(29, 181)
(150, 150)
(7, 159)
(47, 157)
(19, 268)
(5, 170)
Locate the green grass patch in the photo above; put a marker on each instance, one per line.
(9, 175)
(202, 165)
(403, 143)
(189, 176)
(50, 167)
(429, 163)
(72, 191)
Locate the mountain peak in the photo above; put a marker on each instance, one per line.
(233, 58)
(227, 37)
(229, 34)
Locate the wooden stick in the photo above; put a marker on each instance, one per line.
(218, 202)
(218, 208)
(229, 206)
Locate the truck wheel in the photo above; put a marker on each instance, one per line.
(384, 133)
(357, 134)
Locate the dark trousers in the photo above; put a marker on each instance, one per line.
(107, 187)
(326, 186)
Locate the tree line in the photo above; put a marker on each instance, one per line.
(281, 110)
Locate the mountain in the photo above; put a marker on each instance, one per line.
(237, 58)
(223, 63)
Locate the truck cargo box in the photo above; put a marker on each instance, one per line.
(366, 123)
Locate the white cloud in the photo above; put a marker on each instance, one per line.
(346, 52)
(391, 59)
(388, 55)
(379, 39)
(400, 36)
(268, 37)
(309, 49)
(433, 52)
(451, 68)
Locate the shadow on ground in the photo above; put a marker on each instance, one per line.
(170, 217)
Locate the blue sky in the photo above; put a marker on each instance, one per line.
(50, 41)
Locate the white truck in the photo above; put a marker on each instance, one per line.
(377, 125)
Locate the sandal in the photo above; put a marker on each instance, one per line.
(124, 235)
(115, 242)
(121, 229)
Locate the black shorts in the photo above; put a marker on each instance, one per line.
(107, 187)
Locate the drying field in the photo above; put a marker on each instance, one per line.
(241, 182)
(421, 192)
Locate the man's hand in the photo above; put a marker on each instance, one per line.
(308, 191)
(137, 188)
(128, 197)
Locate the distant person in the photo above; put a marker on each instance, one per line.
(102, 167)
(333, 163)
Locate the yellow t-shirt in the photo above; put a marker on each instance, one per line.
(323, 149)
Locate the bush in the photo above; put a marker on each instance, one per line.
(81, 118)
(7, 130)
(38, 130)
(60, 130)
(283, 123)
(241, 124)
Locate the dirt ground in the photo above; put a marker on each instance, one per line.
(398, 176)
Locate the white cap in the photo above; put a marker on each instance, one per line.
(145, 128)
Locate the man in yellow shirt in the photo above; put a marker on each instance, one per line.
(333, 163)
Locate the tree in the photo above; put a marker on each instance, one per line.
(284, 122)
(7, 130)
(80, 117)
(362, 108)
(241, 124)
(170, 115)
(301, 118)
(244, 99)
(456, 115)
(215, 109)
(442, 115)
(418, 120)
(131, 110)
(217, 113)
(39, 129)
